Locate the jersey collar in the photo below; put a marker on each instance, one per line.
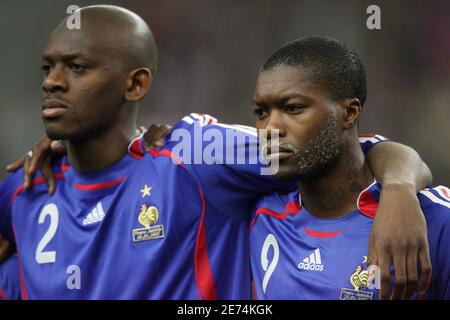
(367, 201)
(107, 177)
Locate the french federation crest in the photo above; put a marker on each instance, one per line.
(358, 280)
(148, 217)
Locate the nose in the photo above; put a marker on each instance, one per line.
(55, 80)
(275, 123)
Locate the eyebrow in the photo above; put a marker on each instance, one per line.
(285, 98)
(63, 57)
(290, 96)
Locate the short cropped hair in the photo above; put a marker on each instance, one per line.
(327, 62)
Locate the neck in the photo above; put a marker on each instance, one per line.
(103, 149)
(335, 193)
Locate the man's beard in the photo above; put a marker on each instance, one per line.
(319, 154)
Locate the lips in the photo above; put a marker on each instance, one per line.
(280, 149)
(281, 153)
(53, 108)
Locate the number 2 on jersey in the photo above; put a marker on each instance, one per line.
(42, 256)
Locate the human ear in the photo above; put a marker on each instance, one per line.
(138, 83)
(352, 111)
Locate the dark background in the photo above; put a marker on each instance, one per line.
(210, 52)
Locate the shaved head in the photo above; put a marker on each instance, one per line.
(95, 76)
(117, 32)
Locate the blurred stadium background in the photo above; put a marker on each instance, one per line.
(210, 52)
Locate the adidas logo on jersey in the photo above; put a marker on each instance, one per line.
(96, 215)
(313, 262)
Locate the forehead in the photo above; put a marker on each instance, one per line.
(64, 42)
(281, 79)
(285, 80)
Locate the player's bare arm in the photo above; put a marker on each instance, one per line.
(399, 234)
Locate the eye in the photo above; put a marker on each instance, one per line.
(294, 108)
(46, 68)
(260, 112)
(75, 67)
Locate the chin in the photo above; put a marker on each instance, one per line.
(55, 133)
(296, 173)
(285, 173)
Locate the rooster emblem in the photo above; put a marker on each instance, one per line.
(358, 279)
(148, 216)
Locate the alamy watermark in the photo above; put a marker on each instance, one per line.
(73, 22)
(227, 145)
(374, 278)
(374, 20)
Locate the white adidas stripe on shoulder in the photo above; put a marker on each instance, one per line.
(206, 119)
(188, 120)
(245, 127)
(444, 192)
(209, 119)
(249, 130)
(196, 116)
(374, 139)
(202, 119)
(381, 138)
(367, 139)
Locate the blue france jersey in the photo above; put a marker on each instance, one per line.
(9, 279)
(295, 255)
(162, 224)
(147, 227)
